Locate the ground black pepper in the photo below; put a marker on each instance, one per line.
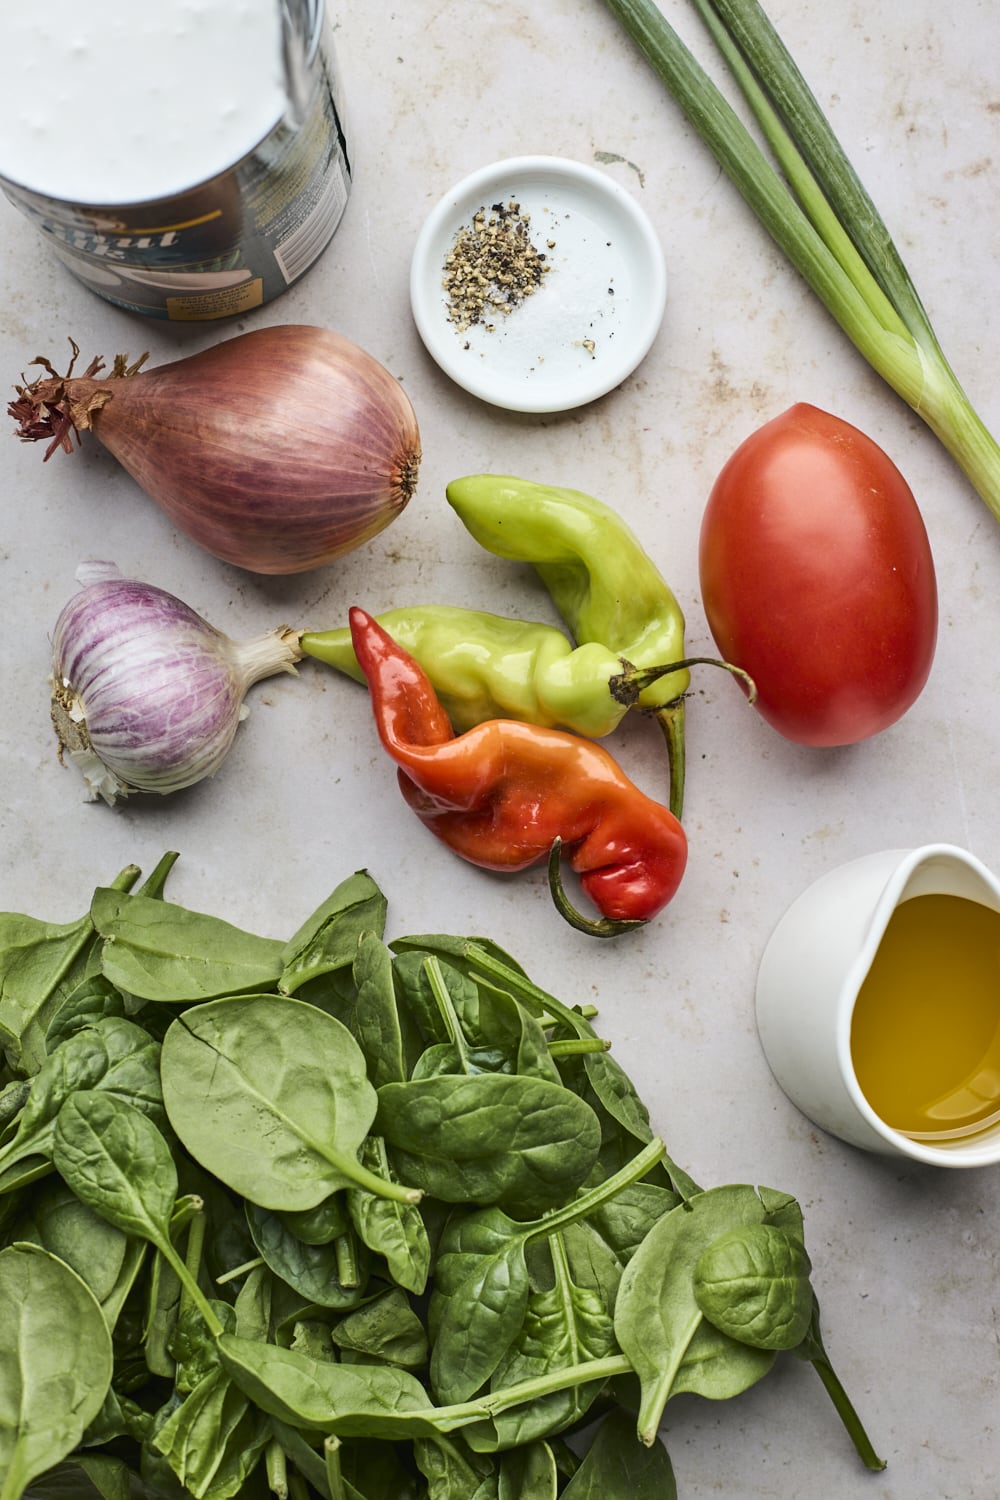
(492, 266)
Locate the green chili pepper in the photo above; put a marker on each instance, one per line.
(486, 666)
(604, 584)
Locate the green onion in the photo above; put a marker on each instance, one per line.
(817, 210)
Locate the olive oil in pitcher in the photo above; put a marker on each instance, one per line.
(925, 1031)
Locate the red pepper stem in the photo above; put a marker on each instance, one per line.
(602, 927)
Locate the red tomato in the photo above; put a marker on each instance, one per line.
(817, 578)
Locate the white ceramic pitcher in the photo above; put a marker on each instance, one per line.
(808, 983)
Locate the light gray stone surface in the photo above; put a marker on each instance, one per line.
(905, 1257)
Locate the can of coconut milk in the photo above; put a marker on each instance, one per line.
(187, 159)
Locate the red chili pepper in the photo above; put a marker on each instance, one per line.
(505, 794)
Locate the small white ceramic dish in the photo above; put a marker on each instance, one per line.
(597, 310)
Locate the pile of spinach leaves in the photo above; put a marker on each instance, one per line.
(346, 1219)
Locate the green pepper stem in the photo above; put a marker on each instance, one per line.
(671, 721)
(626, 685)
(602, 927)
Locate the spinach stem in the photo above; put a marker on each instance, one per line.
(190, 1285)
(346, 1253)
(555, 1380)
(237, 1271)
(16, 1479)
(193, 1253)
(579, 1208)
(382, 1187)
(448, 1418)
(276, 1469)
(334, 1477)
(446, 1008)
(578, 1046)
(846, 1411)
(185, 1209)
(157, 878)
(537, 1000)
(308, 1466)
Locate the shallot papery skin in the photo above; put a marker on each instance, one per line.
(146, 695)
(277, 450)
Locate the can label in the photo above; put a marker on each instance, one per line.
(227, 245)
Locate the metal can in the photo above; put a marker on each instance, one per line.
(237, 238)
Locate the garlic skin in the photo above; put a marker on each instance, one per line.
(146, 696)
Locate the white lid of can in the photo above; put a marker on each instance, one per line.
(123, 103)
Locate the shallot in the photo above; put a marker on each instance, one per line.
(146, 695)
(277, 451)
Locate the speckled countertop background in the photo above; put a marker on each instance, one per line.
(905, 1257)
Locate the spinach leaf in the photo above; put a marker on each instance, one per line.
(481, 1319)
(101, 1255)
(416, 997)
(452, 1471)
(618, 1467)
(163, 952)
(564, 1325)
(116, 1161)
(94, 999)
(214, 1439)
(624, 1220)
(311, 1270)
(39, 964)
(113, 1055)
(392, 1229)
(385, 1032)
(87, 1476)
(482, 1283)
(329, 939)
(353, 1401)
(523, 1143)
(319, 1225)
(753, 1283)
(386, 1329)
(658, 1323)
(55, 1364)
(612, 1091)
(528, 1473)
(272, 1097)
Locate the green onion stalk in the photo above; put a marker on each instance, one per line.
(817, 210)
